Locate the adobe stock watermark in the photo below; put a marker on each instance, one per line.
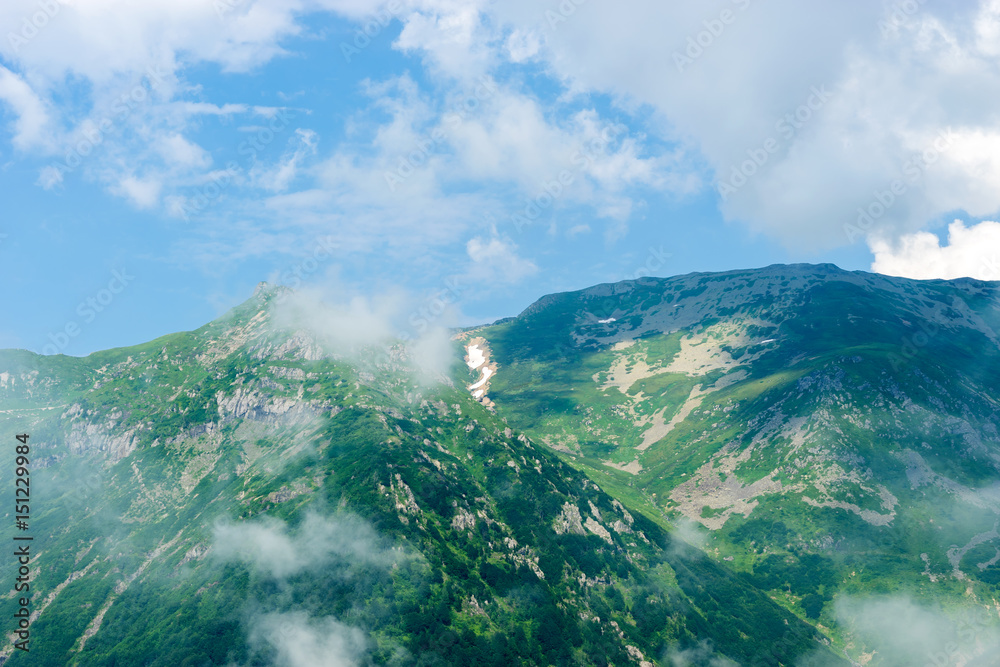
(94, 135)
(224, 7)
(913, 343)
(34, 24)
(787, 127)
(967, 633)
(883, 200)
(701, 41)
(220, 181)
(565, 10)
(552, 189)
(895, 15)
(88, 310)
(370, 29)
(429, 144)
(989, 270)
(433, 307)
(84, 489)
(323, 251)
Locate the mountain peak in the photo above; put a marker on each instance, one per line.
(266, 290)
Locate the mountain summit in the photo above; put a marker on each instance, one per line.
(830, 433)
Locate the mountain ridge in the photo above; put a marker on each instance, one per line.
(834, 414)
(175, 468)
(775, 418)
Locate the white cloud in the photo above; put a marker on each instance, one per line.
(495, 260)
(101, 39)
(904, 632)
(141, 192)
(509, 139)
(129, 60)
(430, 171)
(301, 641)
(512, 140)
(972, 252)
(365, 329)
(178, 151)
(32, 116)
(451, 36)
(688, 533)
(845, 122)
(269, 546)
(522, 45)
(343, 324)
(49, 177)
(281, 175)
(987, 27)
(700, 655)
(890, 93)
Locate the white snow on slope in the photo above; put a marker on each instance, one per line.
(476, 357)
(487, 372)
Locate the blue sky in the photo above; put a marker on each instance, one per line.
(158, 159)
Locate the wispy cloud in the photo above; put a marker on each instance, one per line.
(33, 121)
(295, 639)
(365, 329)
(271, 547)
(903, 632)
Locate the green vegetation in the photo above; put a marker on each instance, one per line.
(477, 546)
(818, 434)
(846, 443)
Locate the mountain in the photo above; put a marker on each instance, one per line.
(257, 492)
(832, 436)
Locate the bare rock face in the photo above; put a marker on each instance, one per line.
(569, 521)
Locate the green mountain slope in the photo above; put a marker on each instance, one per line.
(241, 495)
(833, 435)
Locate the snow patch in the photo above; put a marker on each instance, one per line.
(477, 357)
(487, 372)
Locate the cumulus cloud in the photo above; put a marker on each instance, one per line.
(100, 40)
(818, 126)
(468, 128)
(972, 252)
(450, 35)
(871, 89)
(495, 260)
(297, 640)
(143, 192)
